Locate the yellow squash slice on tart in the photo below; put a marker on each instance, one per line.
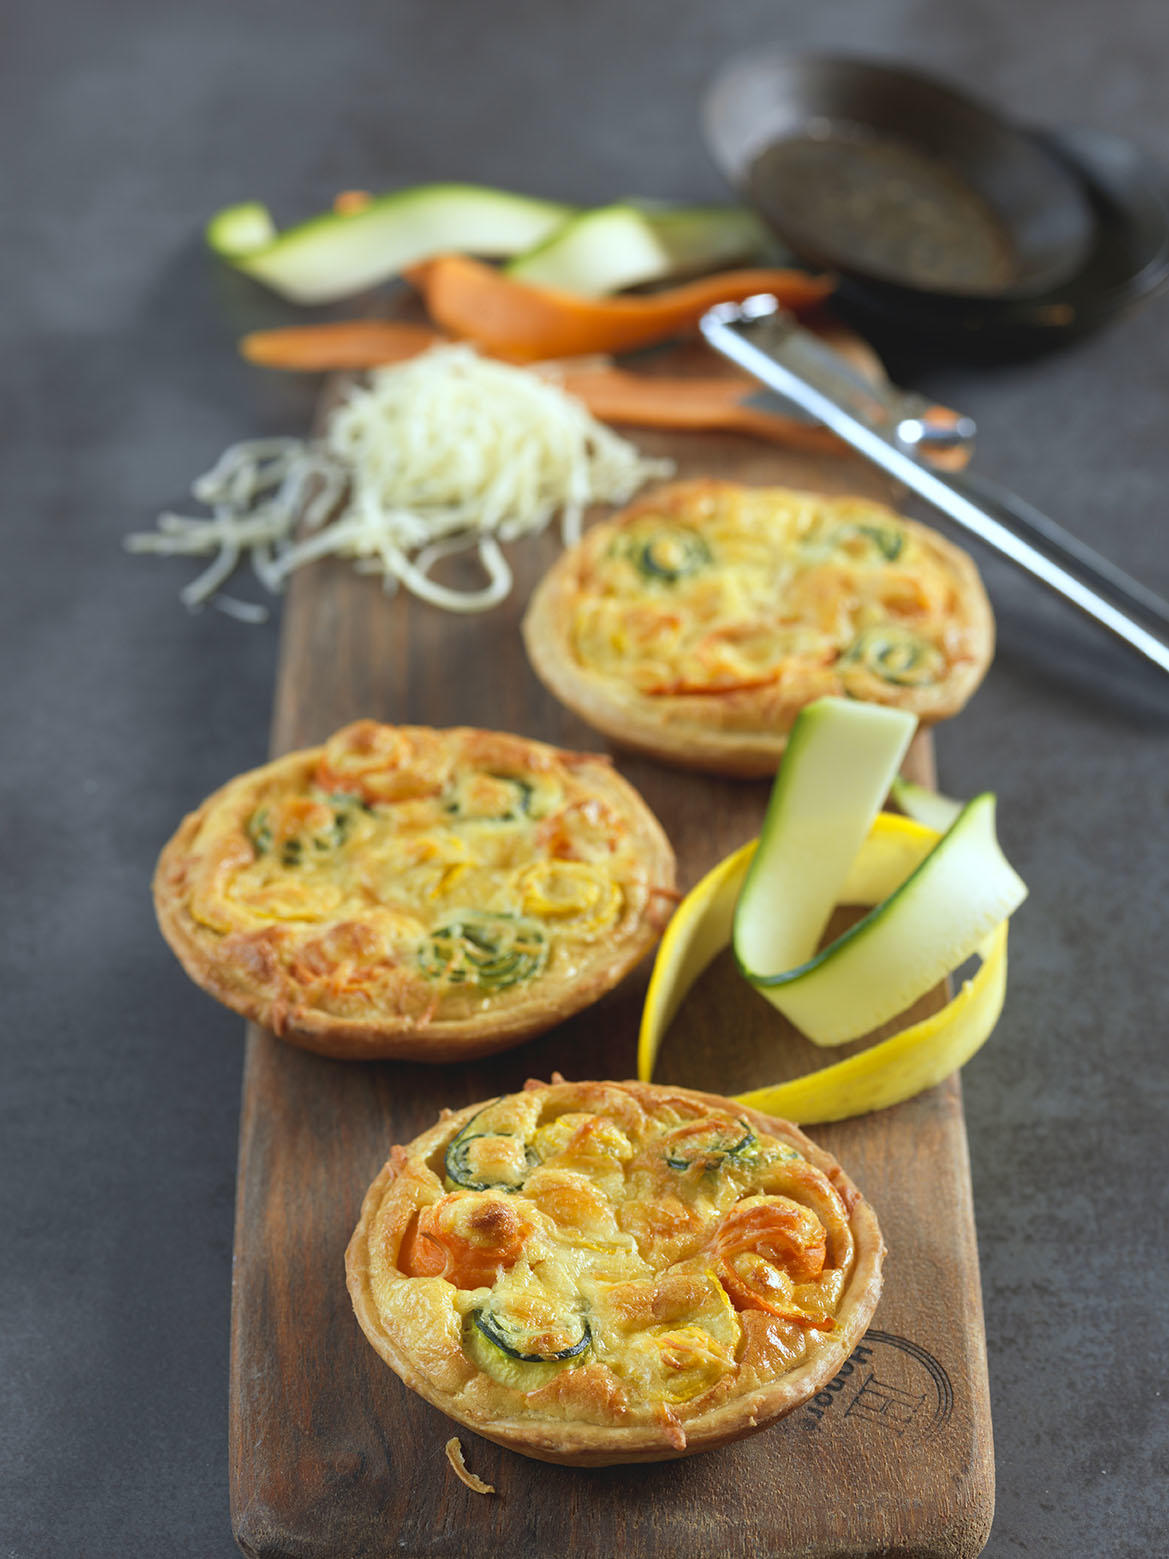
(698, 622)
(598, 1272)
(410, 892)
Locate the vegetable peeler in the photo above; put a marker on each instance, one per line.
(889, 427)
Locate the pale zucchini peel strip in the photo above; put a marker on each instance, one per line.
(887, 1073)
(842, 758)
(925, 806)
(335, 254)
(925, 927)
(609, 248)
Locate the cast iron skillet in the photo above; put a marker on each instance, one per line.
(1126, 263)
(1086, 212)
(764, 105)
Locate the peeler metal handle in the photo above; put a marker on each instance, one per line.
(885, 425)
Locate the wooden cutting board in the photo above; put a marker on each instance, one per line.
(330, 1454)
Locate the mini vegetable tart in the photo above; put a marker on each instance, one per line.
(698, 622)
(410, 892)
(607, 1272)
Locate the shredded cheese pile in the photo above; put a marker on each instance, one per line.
(446, 452)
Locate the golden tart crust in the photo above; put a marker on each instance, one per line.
(409, 892)
(599, 1272)
(698, 622)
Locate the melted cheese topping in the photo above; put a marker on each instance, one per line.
(722, 589)
(607, 1254)
(418, 873)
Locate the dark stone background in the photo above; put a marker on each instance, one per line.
(125, 125)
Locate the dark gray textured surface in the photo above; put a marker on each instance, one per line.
(124, 126)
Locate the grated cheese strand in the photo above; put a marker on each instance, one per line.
(446, 453)
(242, 611)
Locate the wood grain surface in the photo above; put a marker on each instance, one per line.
(330, 1454)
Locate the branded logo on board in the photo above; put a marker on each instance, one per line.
(888, 1385)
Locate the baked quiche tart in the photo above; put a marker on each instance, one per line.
(609, 1272)
(698, 622)
(410, 892)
